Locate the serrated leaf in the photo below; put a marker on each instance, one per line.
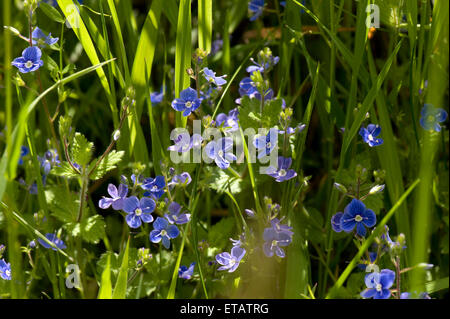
(250, 113)
(107, 164)
(51, 12)
(91, 229)
(64, 170)
(62, 204)
(81, 149)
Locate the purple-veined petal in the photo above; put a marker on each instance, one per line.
(369, 218)
(130, 204)
(133, 220)
(146, 217)
(105, 202)
(155, 236)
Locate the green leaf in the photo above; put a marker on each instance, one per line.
(91, 229)
(204, 24)
(250, 113)
(105, 291)
(120, 289)
(51, 12)
(64, 170)
(219, 233)
(63, 204)
(81, 149)
(107, 164)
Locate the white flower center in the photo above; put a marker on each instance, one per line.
(138, 212)
(163, 232)
(274, 243)
(29, 64)
(154, 188)
(430, 118)
(358, 218)
(174, 217)
(282, 172)
(220, 153)
(378, 287)
(8, 272)
(370, 137)
(232, 262)
(268, 145)
(188, 104)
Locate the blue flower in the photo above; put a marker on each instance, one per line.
(138, 210)
(216, 46)
(40, 39)
(378, 284)
(250, 213)
(230, 121)
(282, 172)
(154, 186)
(431, 117)
(187, 103)
(248, 88)
(210, 76)
(356, 214)
(23, 152)
(282, 228)
(175, 216)
(274, 240)
(391, 244)
(266, 144)
(256, 7)
(292, 130)
(182, 143)
(408, 295)
(157, 97)
(117, 197)
(183, 179)
(262, 67)
(29, 61)
(54, 239)
(370, 133)
(231, 261)
(221, 152)
(336, 222)
(49, 160)
(5, 270)
(163, 231)
(185, 272)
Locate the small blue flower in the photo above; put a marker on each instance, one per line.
(282, 172)
(163, 231)
(29, 61)
(282, 228)
(262, 67)
(49, 160)
(40, 39)
(221, 152)
(274, 240)
(157, 97)
(24, 151)
(292, 130)
(54, 239)
(378, 284)
(211, 77)
(390, 243)
(117, 197)
(408, 295)
(185, 272)
(183, 179)
(266, 144)
(229, 122)
(231, 261)
(187, 103)
(138, 210)
(182, 143)
(356, 214)
(336, 222)
(216, 46)
(5, 270)
(256, 7)
(250, 213)
(431, 117)
(370, 133)
(154, 186)
(175, 216)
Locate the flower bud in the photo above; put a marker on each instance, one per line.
(376, 189)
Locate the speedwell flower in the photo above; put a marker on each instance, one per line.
(221, 152)
(370, 133)
(356, 214)
(211, 77)
(185, 272)
(40, 39)
(431, 117)
(163, 231)
(5, 270)
(256, 8)
(274, 240)
(175, 216)
(187, 103)
(266, 144)
(117, 197)
(138, 210)
(23, 152)
(231, 261)
(29, 61)
(154, 186)
(54, 239)
(282, 172)
(378, 284)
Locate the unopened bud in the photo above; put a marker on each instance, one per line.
(116, 135)
(376, 189)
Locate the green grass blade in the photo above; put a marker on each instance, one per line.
(105, 291)
(204, 24)
(120, 290)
